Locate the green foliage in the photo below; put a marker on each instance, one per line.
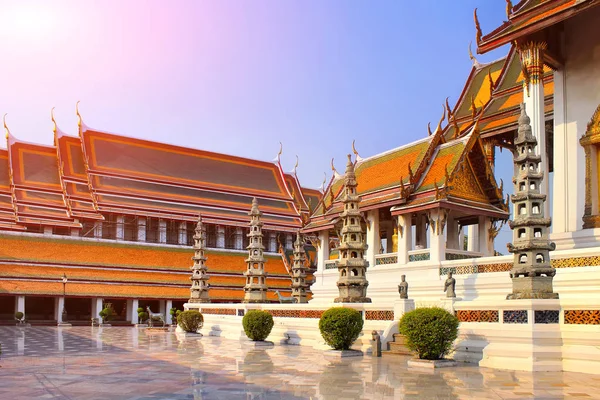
(340, 327)
(140, 309)
(257, 324)
(429, 332)
(190, 321)
(19, 315)
(142, 316)
(107, 313)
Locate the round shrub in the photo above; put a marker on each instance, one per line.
(190, 321)
(19, 315)
(340, 327)
(257, 324)
(107, 313)
(429, 332)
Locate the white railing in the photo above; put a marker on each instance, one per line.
(453, 254)
(419, 255)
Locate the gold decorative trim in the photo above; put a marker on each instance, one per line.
(590, 141)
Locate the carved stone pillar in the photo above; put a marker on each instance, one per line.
(473, 237)
(452, 235)
(404, 237)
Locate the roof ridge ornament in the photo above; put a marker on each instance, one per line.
(358, 157)
(5, 126)
(296, 165)
(324, 181)
(478, 33)
(476, 63)
(448, 109)
(439, 126)
(53, 120)
(491, 81)
(79, 120)
(509, 7)
(278, 157)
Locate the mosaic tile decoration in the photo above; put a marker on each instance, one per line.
(515, 316)
(546, 316)
(499, 267)
(296, 313)
(330, 264)
(419, 257)
(386, 260)
(582, 317)
(379, 315)
(219, 311)
(591, 261)
(459, 270)
(477, 315)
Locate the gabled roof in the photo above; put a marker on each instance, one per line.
(530, 16)
(36, 184)
(8, 211)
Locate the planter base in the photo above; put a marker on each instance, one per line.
(64, 325)
(258, 344)
(105, 325)
(188, 335)
(342, 353)
(431, 364)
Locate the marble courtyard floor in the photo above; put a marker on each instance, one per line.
(127, 363)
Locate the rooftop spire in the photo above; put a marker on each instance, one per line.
(200, 286)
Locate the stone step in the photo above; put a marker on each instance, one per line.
(396, 354)
(399, 348)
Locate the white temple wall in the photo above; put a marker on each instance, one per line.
(576, 96)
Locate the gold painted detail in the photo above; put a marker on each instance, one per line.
(532, 60)
(379, 315)
(590, 261)
(582, 317)
(591, 145)
(296, 313)
(219, 311)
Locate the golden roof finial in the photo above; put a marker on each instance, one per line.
(279, 152)
(448, 109)
(324, 181)
(354, 149)
(478, 33)
(296, 166)
(509, 7)
(456, 129)
(410, 173)
(491, 81)
(53, 120)
(5, 126)
(333, 166)
(471, 56)
(429, 129)
(473, 108)
(79, 121)
(439, 127)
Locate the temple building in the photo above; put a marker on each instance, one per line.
(117, 216)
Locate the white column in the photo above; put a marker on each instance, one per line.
(59, 305)
(47, 230)
(373, 240)
(20, 304)
(98, 229)
(453, 241)
(220, 236)
(162, 231)
(182, 234)
(141, 229)
(96, 308)
(437, 241)
(473, 237)
(162, 308)
(132, 309)
(323, 251)
(420, 232)
(168, 318)
(129, 310)
(533, 97)
(120, 232)
(461, 238)
(289, 241)
(486, 245)
(239, 238)
(404, 237)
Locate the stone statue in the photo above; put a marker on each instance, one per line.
(395, 240)
(403, 287)
(449, 286)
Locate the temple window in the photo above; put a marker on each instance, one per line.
(523, 167)
(535, 209)
(343, 272)
(355, 272)
(522, 209)
(539, 258)
(532, 185)
(537, 232)
(521, 233)
(523, 259)
(521, 186)
(353, 237)
(353, 254)
(352, 221)
(523, 150)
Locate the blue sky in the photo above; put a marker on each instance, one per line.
(240, 77)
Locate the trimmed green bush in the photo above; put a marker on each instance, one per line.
(190, 321)
(257, 324)
(429, 332)
(340, 327)
(19, 315)
(107, 314)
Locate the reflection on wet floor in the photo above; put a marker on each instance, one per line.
(127, 363)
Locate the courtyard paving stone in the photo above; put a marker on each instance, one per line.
(126, 363)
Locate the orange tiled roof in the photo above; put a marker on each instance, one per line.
(530, 16)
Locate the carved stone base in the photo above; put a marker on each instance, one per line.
(537, 287)
(352, 300)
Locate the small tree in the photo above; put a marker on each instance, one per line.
(19, 316)
(257, 324)
(429, 332)
(174, 313)
(107, 313)
(340, 327)
(190, 321)
(142, 315)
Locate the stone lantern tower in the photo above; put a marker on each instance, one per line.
(352, 266)
(299, 271)
(532, 272)
(199, 291)
(256, 286)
